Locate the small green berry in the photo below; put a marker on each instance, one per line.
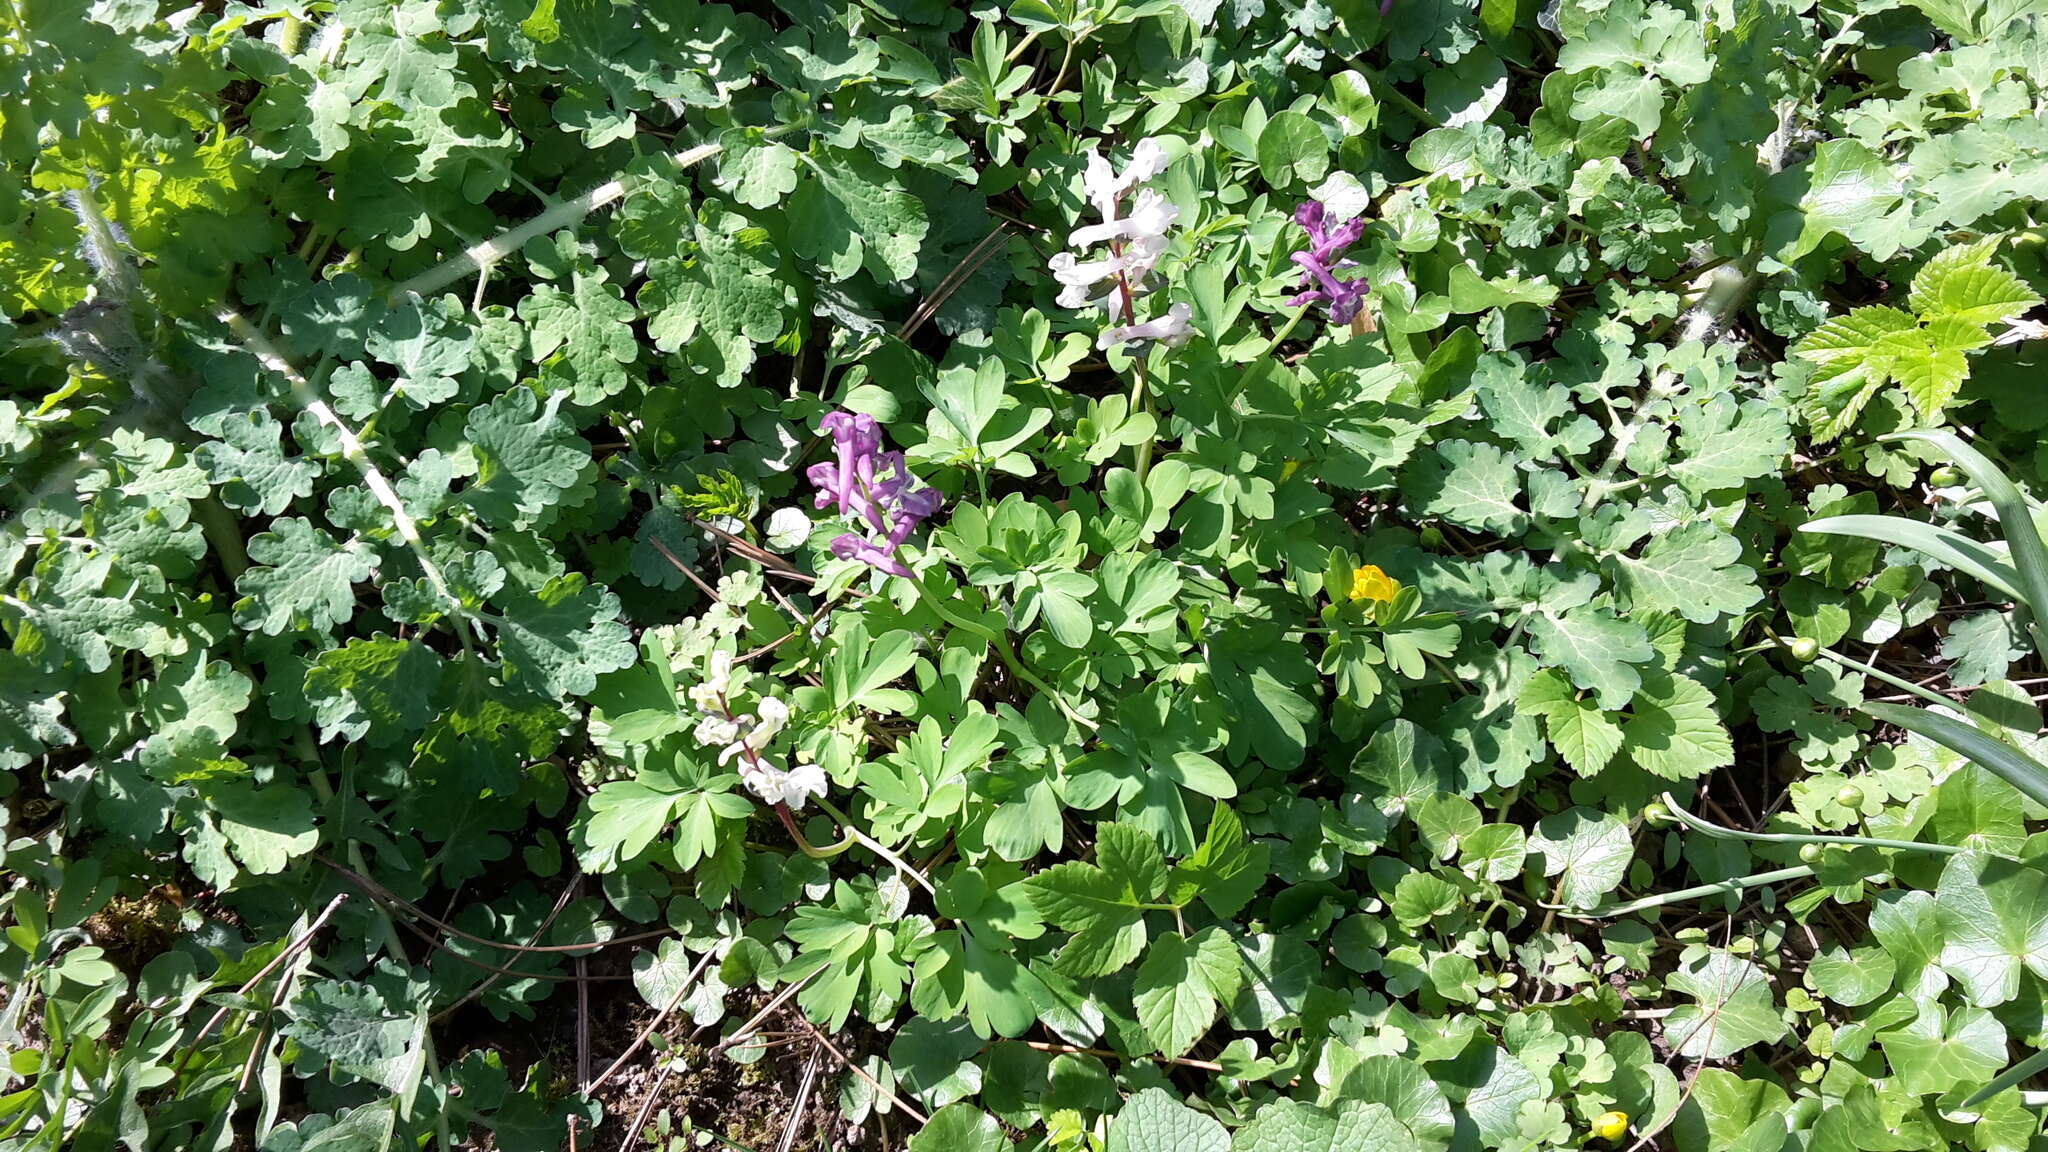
(1809, 853)
(1656, 814)
(1946, 476)
(1804, 649)
(1849, 796)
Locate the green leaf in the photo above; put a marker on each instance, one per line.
(1850, 190)
(1403, 1086)
(307, 579)
(527, 458)
(266, 828)
(1102, 903)
(1225, 871)
(379, 689)
(1674, 731)
(1734, 1008)
(1586, 849)
(1994, 922)
(31, 714)
(849, 212)
(1180, 985)
(1852, 978)
(1585, 736)
(1292, 1126)
(1155, 1121)
(960, 1128)
(558, 640)
(1596, 648)
(1694, 570)
(1961, 283)
(590, 329)
(250, 467)
(1292, 149)
(1469, 484)
(1941, 1050)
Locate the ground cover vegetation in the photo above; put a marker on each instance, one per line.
(1129, 575)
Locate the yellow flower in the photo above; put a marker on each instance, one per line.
(1288, 469)
(1611, 1125)
(1369, 583)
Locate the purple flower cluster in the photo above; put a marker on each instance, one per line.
(872, 487)
(1321, 260)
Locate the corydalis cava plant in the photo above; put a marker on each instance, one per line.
(746, 737)
(1136, 239)
(1323, 259)
(872, 488)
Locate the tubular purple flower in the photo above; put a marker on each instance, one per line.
(874, 489)
(1322, 259)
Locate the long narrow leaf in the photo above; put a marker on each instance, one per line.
(1944, 544)
(2008, 1078)
(2015, 519)
(1987, 751)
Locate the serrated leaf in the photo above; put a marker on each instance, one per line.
(1674, 730)
(1962, 283)
(1180, 985)
(1155, 1121)
(1596, 649)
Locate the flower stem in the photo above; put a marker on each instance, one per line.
(876, 846)
(796, 834)
(1709, 828)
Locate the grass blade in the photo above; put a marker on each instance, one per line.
(2015, 518)
(2008, 1078)
(1944, 544)
(1987, 751)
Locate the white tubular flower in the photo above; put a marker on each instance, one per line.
(756, 731)
(1105, 187)
(1145, 228)
(715, 728)
(776, 785)
(717, 683)
(1094, 281)
(1171, 330)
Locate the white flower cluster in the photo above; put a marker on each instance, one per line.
(1136, 239)
(747, 737)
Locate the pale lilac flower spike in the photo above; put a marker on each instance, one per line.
(1321, 260)
(871, 486)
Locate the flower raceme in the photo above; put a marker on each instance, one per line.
(872, 488)
(747, 738)
(1135, 234)
(1323, 258)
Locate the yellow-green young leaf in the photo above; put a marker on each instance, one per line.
(1849, 364)
(1585, 736)
(1963, 283)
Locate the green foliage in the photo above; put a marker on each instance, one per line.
(415, 583)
